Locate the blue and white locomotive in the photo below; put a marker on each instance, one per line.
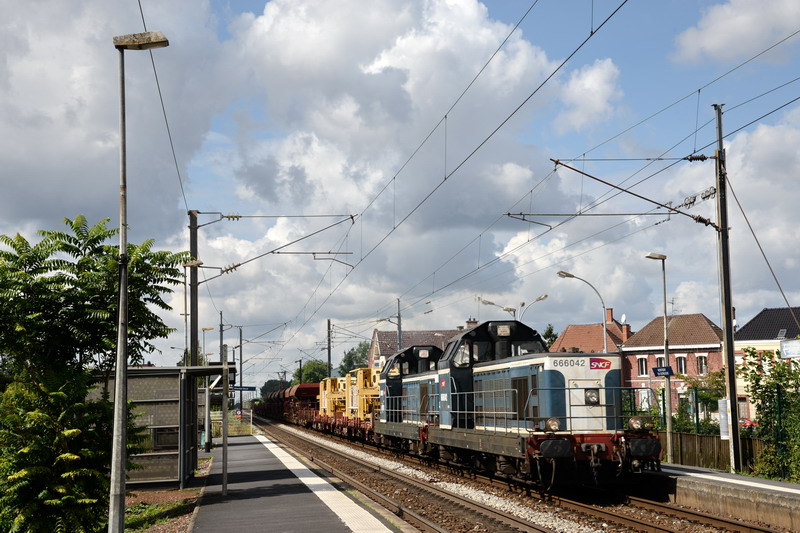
(495, 400)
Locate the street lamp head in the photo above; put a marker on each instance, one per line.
(653, 255)
(563, 274)
(141, 41)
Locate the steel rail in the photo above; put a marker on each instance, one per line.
(457, 502)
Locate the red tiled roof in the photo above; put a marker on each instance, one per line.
(682, 330)
(588, 338)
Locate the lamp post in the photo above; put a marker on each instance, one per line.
(563, 274)
(667, 382)
(511, 310)
(116, 509)
(538, 299)
(207, 422)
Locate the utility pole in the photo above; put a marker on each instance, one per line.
(330, 370)
(725, 300)
(224, 359)
(300, 375)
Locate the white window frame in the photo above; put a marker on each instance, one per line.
(639, 359)
(680, 360)
(704, 370)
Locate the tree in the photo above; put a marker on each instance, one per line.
(58, 307)
(58, 298)
(549, 335)
(354, 358)
(773, 384)
(271, 385)
(313, 372)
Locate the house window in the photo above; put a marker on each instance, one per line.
(680, 362)
(660, 361)
(642, 362)
(702, 365)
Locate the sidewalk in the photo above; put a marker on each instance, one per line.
(269, 489)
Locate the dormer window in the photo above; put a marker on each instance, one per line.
(782, 334)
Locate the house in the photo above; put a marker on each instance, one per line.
(695, 349)
(764, 332)
(588, 338)
(767, 329)
(384, 343)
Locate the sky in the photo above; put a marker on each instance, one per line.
(382, 151)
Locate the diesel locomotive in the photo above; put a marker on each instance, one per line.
(493, 401)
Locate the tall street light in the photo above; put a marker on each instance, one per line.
(563, 274)
(116, 510)
(511, 310)
(538, 299)
(663, 259)
(207, 422)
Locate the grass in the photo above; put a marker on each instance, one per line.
(142, 515)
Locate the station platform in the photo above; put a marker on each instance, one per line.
(753, 499)
(270, 489)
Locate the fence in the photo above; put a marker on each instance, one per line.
(709, 451)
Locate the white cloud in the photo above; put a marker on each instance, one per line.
(736, 29)
(589, 94)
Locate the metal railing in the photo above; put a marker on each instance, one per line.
(412, 409)
(583, 409)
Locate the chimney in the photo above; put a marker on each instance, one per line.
(609, 315)
(471, 322)
(626, 332)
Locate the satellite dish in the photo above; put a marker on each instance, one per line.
(623, 318)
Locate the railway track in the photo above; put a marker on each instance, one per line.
(636, 514)
(430, 508)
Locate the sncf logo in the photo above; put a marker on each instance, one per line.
(595, 363)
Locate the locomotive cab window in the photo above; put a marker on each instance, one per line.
(394, 369)
(481, 352)
(462, 355)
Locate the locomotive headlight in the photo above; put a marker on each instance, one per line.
(553, 424)
(635, 423)
(591, 396)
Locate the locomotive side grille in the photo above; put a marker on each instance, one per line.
(521, 386)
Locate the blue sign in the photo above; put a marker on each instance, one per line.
(243, 388)
(663, 371)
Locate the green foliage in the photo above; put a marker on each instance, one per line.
(56, 454)
(141, 517)
(58, 307)
(774, 387)
(58, 298)
(549, 335)
(354, 358)
(313, 372)
(270, 386)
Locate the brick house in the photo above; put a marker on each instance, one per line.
(384, 343)
(695, 349)
(588, 338)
